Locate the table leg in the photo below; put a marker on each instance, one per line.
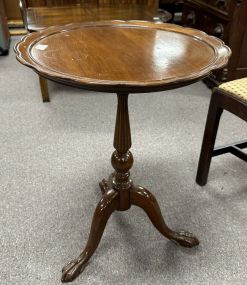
(141, 197)
(107, 204)
(119, 193)
(44, 89)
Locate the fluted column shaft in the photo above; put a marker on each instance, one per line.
(122, 159)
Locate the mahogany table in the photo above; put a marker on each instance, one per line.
(122, 57)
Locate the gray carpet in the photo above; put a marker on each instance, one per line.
(53, 155)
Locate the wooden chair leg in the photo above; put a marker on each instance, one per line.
(44, 89)
(211, 128)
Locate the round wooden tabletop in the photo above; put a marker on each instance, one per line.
(120, 56)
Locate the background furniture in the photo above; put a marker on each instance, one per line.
(230, 96)
(12, 10)
(132, 57)
(4, 31)
(226, 19)
(175, 7)
(38, 15)
(43, 14)
(15, 22)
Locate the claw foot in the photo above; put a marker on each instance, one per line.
(106, 185)
(103, 186)
(72, 270)
(185, 239)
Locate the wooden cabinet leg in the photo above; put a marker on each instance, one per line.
(212, 124)
(44, 89)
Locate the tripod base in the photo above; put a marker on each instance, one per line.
(111, 201)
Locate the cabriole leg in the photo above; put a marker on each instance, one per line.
(144, 199)
(107, 204)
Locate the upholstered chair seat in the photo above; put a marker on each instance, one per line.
(237, 88)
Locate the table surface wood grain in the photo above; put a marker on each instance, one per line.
(126, 56)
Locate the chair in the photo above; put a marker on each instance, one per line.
(40, 14)
(230, 96)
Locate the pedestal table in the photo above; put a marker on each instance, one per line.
(122, 57)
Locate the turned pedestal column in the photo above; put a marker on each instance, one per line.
(119, 193)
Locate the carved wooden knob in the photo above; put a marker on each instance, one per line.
(191, 19)
(218, 31)
(221, 3)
